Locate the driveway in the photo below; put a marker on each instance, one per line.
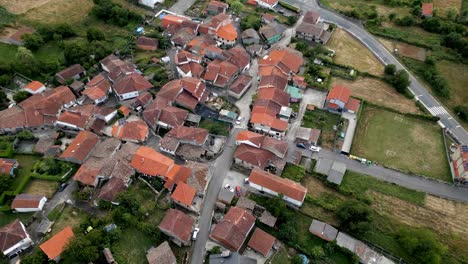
(386, 57)
(181, 6)
(221, 168)
(348, 140)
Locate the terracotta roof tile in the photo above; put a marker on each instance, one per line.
(161, 255)
(71, 71)
(184, 194)
(252, 155)
(276, 95)
(277, 184)
(111, 189)
(131, 130)
(131, 83)
(177, 224)
(25, 200)
(267, 120)
(353, 104)
(34, 86)
(148, 161)
(340, 93)
(11, 234)
(311, 17)
(240, 83)
(227, 32)
(427, 9)
(261, 241)
(56, 244)
(81, 147)
(176, 175)
(253, 137)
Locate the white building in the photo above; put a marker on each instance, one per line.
(14, 239)
(150, 3)
(267, 3)
(28, 203)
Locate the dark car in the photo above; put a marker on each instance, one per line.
(301, 145)
(62, 187)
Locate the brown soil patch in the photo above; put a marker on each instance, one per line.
(404, 49)
(444, 5)
(59, 11)
(349, 51)
(21, 6)
(438, 214)
(42, 187)
(378, 92)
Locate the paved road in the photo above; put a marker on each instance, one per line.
(221, 167)
(181, 6)
(386, 57)
(409, 181)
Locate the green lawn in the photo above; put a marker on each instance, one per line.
(412, 35)
(7, 217)
(132, 247)
(358, 184)
(7, 52)
(26, 164)
(405, 143)
(50, 53)
(293, 172)
(281, 257)
(217, 128)
(325, 121)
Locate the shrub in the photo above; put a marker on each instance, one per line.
(354, 216)
(93, 34)
(462, 111)
(390, 69)
(20, 96)
(422, 244)
(33, 41)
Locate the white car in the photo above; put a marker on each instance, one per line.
(238, 120)
(195, 233)
(315, 148)
(229, 188)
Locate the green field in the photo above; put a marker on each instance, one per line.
(404, 143)
(293, 172)
(26, 164)
(325, 121)
(214, 127)
(7, 52)
(132, 247)
(359, 184)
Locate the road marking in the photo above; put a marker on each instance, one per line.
(458, 126)
(438, 110)
(450, 118)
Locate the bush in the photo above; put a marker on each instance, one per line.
(422, 244)
(20, 96)
(400, 81)
(354, 216)
(114, 13)
(33, 41)
(93, 34)
(5, 182)
(390, 69)
(405, 21)
(462, 111)
(25, 135)
(81, 249)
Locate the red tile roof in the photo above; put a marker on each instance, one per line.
(11, 234)
(268, 17)
(276, 146)
(253, 137)
(131, 83)
(255, 156)
(97, 88)
(189, 134)
(131, 130)
(111, 62)
(184, 194)
(232, 231)
(311, 17)
(176, 175)
(177, 224)
(275, 81)
(353, 104)
(227, 32)
(56, 244)
(168, 20)
(124, 110)
(80, 148)
(427, 9)
(267, 120)
(145, 43)
(339, 93)
(276, 95)
(148, 161)
(34, 86)
(71, 71)
(261, 241)
(111, 189)
(284, 60)
(6, 165)
(87, 175)
(277, 184)
(240, 83)
(25, 200)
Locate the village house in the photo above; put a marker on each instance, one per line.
(34, 87)
(427, 9)
(460, 163)
(135, 131)
(54, 247)
(215, 7)
(188, 64)
(339, 100)
(272, 32)
(238, 88)
(270, 4)
(36, 112)
(142, 101)
(84, 117)
(323, 230)
(185, 92)
(14, 239)
(28, 203)
(173, 20)
(222, 28)
(17, 37)
(8, 166)
(111, 62)
(97, 90)
(307, 136)
(237, 56)
(268, 183)
(233, 230)
(199, 44)
(161, 255)
(250, 36)
(183, 135)
(313, 33)
(283, 62)
(161, 114)
(76, 71)
(111, 189)
(200, 177)
(220, 73)
(182, 37)
(268, 18)
(212, 52)
(184, 195)
(130, 86)
(80, 148)
(261, 242)
(147, 44)
(178, 226)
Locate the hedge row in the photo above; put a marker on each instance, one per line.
(22, 185)
(378, 33)
(47, 177)
(290, 7)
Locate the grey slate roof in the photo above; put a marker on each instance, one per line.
(323, 230)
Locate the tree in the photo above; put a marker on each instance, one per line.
(76, 52)
(25, 135)
(20, 96)
(297, 259)
(5, 182)
(405, 21)
(462, 111)
(93, 34)
(81, 250)
(454, 40)
(355, 217)
(24, 55)
(401, 81)
(37, 257)
(33, 41)
(236, 7)
(390, 69)
(317, 252)
(422, 244)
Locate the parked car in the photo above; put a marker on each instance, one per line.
(62, 187)
(246, 180)
(315, 148)
(195, 233)
(229, 188)
(301, 145)
(238, 191)
(238, 120)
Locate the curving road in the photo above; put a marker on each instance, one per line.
(421, 94)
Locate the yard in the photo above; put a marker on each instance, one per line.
(7, 217)
(442, 6)
(58, 11)
(293, 172)
(281, 257)
(378, 92)
(325, 121)
(405, 50)
(26, 165)
(7, 52)
(405, 143)
(41, 187)
(214, 127)
(132, 247)
(69, 216)
(346, 48)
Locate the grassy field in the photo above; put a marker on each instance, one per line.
(347, 47)
(325, 121)
(59, 11)
(7, 52)
(378, 92)
(359, 184)
(67, 218)
(379, 6)
(41, 187)
(400, 142)
(26, 163)
(132, 247)
(457, 76)
(293, 172)
(217, 128)
(405, 50)
(442, 6)
(281, 257)
(413, 35)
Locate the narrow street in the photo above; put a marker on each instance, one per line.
(181, 6)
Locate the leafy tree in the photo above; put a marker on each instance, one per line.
(291, 20)
(236, 7)
(25, 135)
(33, 41)
(81, 250)
(297, 259)
(355, 216)
(76, 52)
(422, 245)
(5, 182)
(24, 55)
(37, 257)
(93, 34)
(454, 40)
(462, 111)
(65, 30)
(400, 80)
(317, 252)
(20, 96)
(405, 21)
(390, 69)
